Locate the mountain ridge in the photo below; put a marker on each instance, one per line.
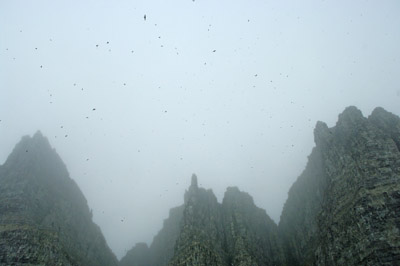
(318, 197)
(343, 209)
(44, 217)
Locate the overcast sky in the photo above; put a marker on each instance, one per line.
(229, 90)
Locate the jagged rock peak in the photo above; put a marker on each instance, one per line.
(38, 134)
(38, 139)
(342, 210)
(389, 123)
(36, 143)
(193, 190)
(381, 111)
(350, 117)
(35, 150)
(321, 132)
(194, 181)
(234, 195)
(348, 122)
(350, 185)
(232, 190)
(44, 217)
(139, 255)
(351, 113)
(381, 116)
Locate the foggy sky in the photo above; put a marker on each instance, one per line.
(229, 90)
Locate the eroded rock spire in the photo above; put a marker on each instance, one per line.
(194, 181)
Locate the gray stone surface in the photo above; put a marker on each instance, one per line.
(44, 217)
(344, 209)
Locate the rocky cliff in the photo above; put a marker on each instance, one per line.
(207, 232)
(252, 236)
(201, 239)
(44, 217)
(344, 208)
(161, 249)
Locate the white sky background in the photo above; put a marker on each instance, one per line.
(168, 106)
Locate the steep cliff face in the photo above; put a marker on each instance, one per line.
(343, 209)
(163, 245)
(251, 235)
(298, 223)
(205, 232)
(162, 248)
(202, 233)
(139, 255)
(44, 217)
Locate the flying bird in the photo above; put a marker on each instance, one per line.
(144, 17)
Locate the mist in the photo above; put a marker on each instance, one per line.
(137, 96)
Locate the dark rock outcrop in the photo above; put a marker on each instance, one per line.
(206, 232)
(251, 235)
(163, 245)
(344, 208)
(202, 233)
(162, 248)
(138, 256)
(44, 217)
